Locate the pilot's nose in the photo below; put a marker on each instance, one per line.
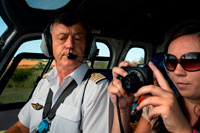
(69, 43)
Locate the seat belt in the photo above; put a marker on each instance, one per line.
(49, 113)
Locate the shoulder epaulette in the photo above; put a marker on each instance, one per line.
(44, 76)
(97, 77)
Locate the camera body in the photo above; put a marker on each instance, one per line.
(136, 78)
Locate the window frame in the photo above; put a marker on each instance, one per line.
(11, 69)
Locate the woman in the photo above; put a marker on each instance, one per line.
(163, 111)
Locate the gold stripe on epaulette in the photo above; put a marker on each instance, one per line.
(44, 76)
(96, 77)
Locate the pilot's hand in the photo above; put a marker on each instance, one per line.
(115, 88)
(164, 103)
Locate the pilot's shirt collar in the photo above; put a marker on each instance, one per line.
(53, 79)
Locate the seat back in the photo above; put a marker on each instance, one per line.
(158, 61)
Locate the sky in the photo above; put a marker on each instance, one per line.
(3, 26)
(34, 46)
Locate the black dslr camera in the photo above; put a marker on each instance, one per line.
(136, 78)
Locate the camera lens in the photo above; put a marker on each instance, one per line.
(136, 78)
(132, 82)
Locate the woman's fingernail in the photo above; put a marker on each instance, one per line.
(125, 73)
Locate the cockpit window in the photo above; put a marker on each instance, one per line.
(103, 56)
(47, 4)
(29, 47)
(3, 26)
(135, 56)
(103, 50)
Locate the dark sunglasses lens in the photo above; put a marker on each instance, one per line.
(170, 62)
(191, 62)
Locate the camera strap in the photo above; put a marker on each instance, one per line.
(119, 116)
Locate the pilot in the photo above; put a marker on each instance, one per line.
(70, 98)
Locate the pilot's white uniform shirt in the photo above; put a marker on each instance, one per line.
(96, 107)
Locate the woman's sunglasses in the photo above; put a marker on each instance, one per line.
(190, 62)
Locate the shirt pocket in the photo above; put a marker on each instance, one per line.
(37, 107)
(68, 112)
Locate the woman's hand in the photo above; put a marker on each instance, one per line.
(164, 103)
(115, 88)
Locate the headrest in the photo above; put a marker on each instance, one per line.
(158, 61)
(93, 50)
